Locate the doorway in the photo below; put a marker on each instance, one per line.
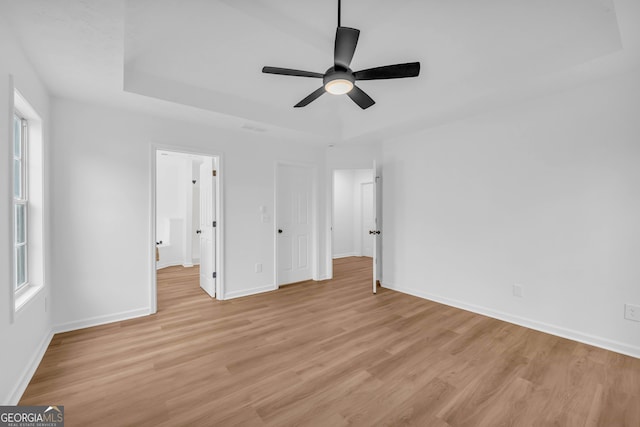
(353, 218)
(186, 209)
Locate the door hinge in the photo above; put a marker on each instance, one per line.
(214, 274)
(215, 223)
(214, 172)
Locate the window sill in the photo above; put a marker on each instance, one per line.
(25, 296)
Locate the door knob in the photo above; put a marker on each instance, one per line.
(374, 231)
(279, 231)
(198, 231)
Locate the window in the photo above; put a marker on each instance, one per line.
(28, 236)
(20, 203)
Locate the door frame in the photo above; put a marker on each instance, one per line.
(315, 252)
(153, 284)
(362, 210)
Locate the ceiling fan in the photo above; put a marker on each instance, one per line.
(340, 79)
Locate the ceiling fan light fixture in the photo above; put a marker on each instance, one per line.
(338, 86)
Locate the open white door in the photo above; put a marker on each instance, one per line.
(367, 221)
(207, 228)
(375, 232)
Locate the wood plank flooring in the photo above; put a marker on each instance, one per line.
(328, 354)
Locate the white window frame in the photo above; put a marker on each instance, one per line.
(33, 198)
(19, 288)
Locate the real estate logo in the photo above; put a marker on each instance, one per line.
(32, 416)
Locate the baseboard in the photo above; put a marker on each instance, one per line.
(559, 331)
(25, 378)
(100, 320)
(350, 254)
(248, 292)
(160, 265)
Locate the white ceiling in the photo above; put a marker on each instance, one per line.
(203, 58)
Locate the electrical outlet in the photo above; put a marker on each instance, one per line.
(517, 290)
(258, 268)
(632, 312)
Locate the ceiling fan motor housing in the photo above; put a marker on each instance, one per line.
(339, 74)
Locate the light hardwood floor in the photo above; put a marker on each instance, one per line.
(328, 354)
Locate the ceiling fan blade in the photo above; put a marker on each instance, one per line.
(358, 96)
(290, 72)
(309, 99)
(346, 41)
(397, 71)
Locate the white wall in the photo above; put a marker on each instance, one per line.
(543, 194)
(101, 192)
(352, 156)
(347, 211)
(195, 212)
(343, 213)
(170, 198)
(25, 339)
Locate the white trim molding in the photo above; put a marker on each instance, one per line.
(101, 320)
(30, 370)
(605, 343)
(249, 292)
(347, 255)
(160, 265)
